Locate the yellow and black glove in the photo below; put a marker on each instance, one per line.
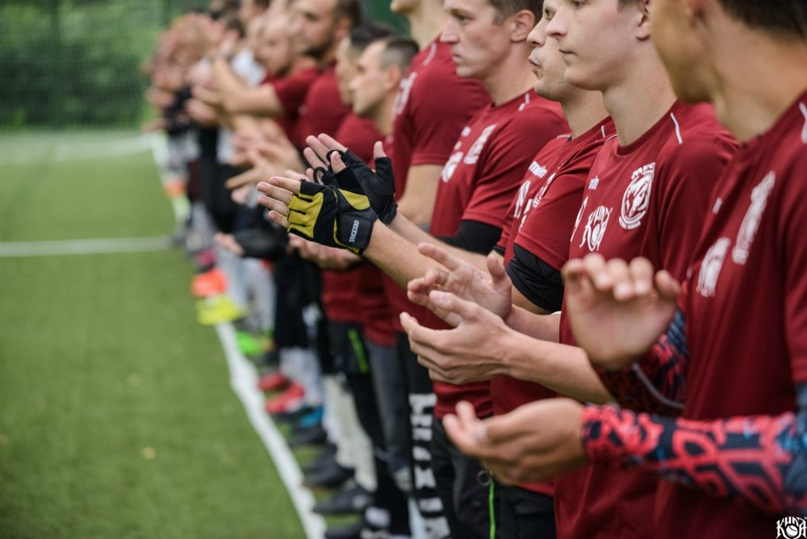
(336, 217)
(378, 185)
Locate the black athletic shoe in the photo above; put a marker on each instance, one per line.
(331, 476)
(352, 498)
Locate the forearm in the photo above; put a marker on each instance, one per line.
(396, 256)
(417, 202)
(657, 382)
(542, 327)
(761, 460)
(559, 367)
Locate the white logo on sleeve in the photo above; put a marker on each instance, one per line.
(479, 145)
(711, 266)
(759, 200)
(595, 228)
(791, 527)
(522, 198)
(636, 199)
(451, 166)
(579, 218)
(803, 109)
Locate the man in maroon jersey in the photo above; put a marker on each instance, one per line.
(537, 227)
(478, 183)
(739, 345)
(647, 189)
(282, 92)
(353, 293)
(431, 108)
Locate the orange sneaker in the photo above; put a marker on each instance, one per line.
(210, 283)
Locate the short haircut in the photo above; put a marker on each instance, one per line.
(776, 16)
(398, 51)
(505, 8)
(350, 9)
(365, 33)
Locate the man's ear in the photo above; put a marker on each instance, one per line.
(393, 76)
(521, 24)
(643, 20)
(342, 28)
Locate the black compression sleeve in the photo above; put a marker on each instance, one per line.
(536, 280)
(475, 237)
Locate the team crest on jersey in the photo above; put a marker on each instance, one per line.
(473, 154)
(711, 266)
(402, 97)
(745, 237)
(595, 228)
(636, 199)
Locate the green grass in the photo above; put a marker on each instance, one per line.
(116, 416)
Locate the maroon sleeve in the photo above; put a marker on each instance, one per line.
(793, 223)
(505, 159)
(689, 176)
(291, 90)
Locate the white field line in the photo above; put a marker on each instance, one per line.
(243, 380)
(60, 152)
(84, 247)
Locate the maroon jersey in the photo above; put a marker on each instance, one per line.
(291, 92)
(746, 312)
(432, 106)
(477, 184)
(648, 199)
(540, 220)
(323, 110)
(342, 296)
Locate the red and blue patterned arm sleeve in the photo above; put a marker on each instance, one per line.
(759, 459)
(655, 384)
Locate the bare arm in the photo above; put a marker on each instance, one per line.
(417, 203)
(239, 98)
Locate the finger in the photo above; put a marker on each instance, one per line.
(330, 143)
(274, 192)
(621, 283)
(281, 220)
(293, 186)
(378, 150)
(595, 267)
(495, 264)
(249, 177)
(451, 303)
(667, 286)
(273, 204)
(313, 158)
(461, 436)
(438, 254)
(641, 271)
(337, 165)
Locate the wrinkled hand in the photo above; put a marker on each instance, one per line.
(378, 185)
(617, 310)
(325, 214)
(491, 290)
(470, 352)
(529, 445)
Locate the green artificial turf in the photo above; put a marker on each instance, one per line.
(116, 415)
